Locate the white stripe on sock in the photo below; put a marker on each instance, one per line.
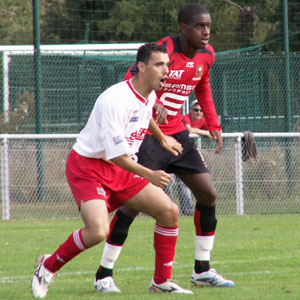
(166, 231)
(77, 240)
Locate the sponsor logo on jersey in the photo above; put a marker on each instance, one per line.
(101, 191)
(134, 117)
(136, 136)
(199, 70)
(175, 74)
(118, 139)
(190, 64)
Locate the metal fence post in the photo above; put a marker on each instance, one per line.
(5, 179)
(5, 84)
(239, 177)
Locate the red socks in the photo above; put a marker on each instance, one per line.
(66, 251)
(165, 239)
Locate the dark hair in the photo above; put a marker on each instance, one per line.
(187, 12)
(145, 51)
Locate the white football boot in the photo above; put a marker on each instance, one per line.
(168, 286)
(106, 285)
(41, 278)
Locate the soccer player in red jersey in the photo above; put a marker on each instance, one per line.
(191, 57)
(103, 174)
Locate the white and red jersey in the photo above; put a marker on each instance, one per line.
(185, 76)
(117, 124)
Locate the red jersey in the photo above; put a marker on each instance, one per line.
(185, 76)
(200, 124)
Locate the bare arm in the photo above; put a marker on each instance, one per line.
(161, 113)
(158, 178)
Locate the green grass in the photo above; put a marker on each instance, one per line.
(261, 254)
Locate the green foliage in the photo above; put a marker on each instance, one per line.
(15, 22)
(119, 21)
(21, 117)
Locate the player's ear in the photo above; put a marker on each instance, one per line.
(141, 66)
(182, 27)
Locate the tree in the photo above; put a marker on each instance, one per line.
(15, 22)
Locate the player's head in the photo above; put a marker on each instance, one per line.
(145, 51)
(194, 21)
(152, 63)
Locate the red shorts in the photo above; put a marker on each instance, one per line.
(93, 178)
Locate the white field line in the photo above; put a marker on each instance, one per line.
(16, 279)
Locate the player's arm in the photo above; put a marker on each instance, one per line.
(204, 96)
(158, 178)
(167, 142)
(160, 113)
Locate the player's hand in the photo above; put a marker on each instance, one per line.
(159, 178)
(216, 135)
(161, 113)
(170, 144)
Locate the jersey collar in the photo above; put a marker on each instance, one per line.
(137, 95)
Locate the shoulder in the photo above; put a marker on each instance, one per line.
(208, 53)
(115, 88)
(206, 57)
(171, 43)
(111, 96)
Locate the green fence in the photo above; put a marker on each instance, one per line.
(251, 90)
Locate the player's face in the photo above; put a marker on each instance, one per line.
(157, 70)
(197, 33)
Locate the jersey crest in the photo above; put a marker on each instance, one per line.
(199, 70)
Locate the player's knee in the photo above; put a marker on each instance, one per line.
(127, 212)
(212, 195)
(97, 234)
(119, 230)
(171, 214)
(208, 196)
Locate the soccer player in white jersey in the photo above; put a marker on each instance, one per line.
(103, 175)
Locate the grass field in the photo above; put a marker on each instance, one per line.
(261, 254)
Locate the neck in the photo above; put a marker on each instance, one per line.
(141, 87)
(186, 48)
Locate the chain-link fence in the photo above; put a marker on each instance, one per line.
(251, 90)
(33, 183)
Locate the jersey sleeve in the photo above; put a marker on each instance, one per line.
(112, 120)
(204, 97)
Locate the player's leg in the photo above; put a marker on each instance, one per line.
(205, 226)
(152, 201)
(150, 155)
(192, 170)
(185, 198)
(96, 227)
(119, 227)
